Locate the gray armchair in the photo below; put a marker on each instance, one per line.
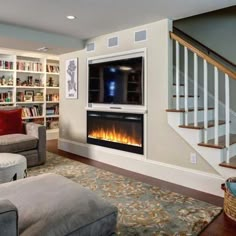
(31, 144)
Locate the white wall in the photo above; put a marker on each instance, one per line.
(163, 144)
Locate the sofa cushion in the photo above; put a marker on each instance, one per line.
(66, 208)
(10, 121)
(17, 143)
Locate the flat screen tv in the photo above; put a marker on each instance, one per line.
(117, 81)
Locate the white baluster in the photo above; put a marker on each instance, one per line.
(186, 84)
(216, 107)
(195, 90)
(205, 76)
(227, 117)
(177, 75)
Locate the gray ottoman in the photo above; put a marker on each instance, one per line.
(12, 167)
(52, 205)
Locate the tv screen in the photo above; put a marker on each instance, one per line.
(116, 82)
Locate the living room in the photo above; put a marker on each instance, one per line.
(156, 164)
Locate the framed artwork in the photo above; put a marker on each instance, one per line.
(72, 78)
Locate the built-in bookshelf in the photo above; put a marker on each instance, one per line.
(31, 81)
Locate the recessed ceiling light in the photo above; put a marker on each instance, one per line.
(43, 49)
(70, 17)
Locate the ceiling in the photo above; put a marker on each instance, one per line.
(94, 17)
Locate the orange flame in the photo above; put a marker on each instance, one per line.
(113, 135)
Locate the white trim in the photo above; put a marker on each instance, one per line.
(198, 180)
(117, 45)
(119, 109)
(115, 56)
(140, 41)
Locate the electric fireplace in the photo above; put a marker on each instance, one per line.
(123, 131)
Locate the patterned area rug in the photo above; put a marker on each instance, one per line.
(143, 209)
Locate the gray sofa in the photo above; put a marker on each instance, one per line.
(52, 205)
(31, 144)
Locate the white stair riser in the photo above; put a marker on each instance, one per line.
(190, 102)
(182, 90)
(211, 132)
(200, 116)
(232, 151)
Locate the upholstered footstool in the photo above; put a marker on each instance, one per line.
(51, 205)
(12, 167)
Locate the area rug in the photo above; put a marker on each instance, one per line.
(144, 210)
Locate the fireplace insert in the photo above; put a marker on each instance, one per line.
(123, 131)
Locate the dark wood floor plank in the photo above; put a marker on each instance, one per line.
(221, 226)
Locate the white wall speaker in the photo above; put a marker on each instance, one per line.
(140, 36)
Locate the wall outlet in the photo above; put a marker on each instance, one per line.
(193, 158)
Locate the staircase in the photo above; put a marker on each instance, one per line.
(197, 113)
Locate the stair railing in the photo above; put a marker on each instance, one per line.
(217, 67)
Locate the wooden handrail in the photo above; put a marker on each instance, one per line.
(209, 50)
(203, 55)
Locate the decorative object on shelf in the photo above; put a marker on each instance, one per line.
(52, 97)
(6, 80)
(37, 82)
(28, 98)
(18, 80)
(38, 97)
(6, 96)
(29, 92)
(72, 78)
(30, 80)
(50, 82)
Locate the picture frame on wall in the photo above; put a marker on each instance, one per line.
(72, 78)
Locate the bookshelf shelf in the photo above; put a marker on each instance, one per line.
(30, 72)
(29, 87)
(32, 117)
(52, 73)
(6, 87)
(7, 70)
(52, 116)
(51, 102)
(30, 102)
(29, 80)
(6, 103)
(48, 87)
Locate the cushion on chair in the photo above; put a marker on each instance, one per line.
(10, 121)
(17, 142)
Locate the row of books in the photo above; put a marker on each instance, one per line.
(52, 110)
(52, 68)
(8, 65)
(32, 111)
(29, 66)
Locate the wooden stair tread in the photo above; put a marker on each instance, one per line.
(211, 123)
(231, 164)
(189, 110)
(221, 144)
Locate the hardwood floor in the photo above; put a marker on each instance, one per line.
(221, 226)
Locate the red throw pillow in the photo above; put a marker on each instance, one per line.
(11, 122)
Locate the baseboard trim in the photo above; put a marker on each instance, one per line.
(198, 180)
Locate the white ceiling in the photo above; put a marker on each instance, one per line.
(97, 17)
